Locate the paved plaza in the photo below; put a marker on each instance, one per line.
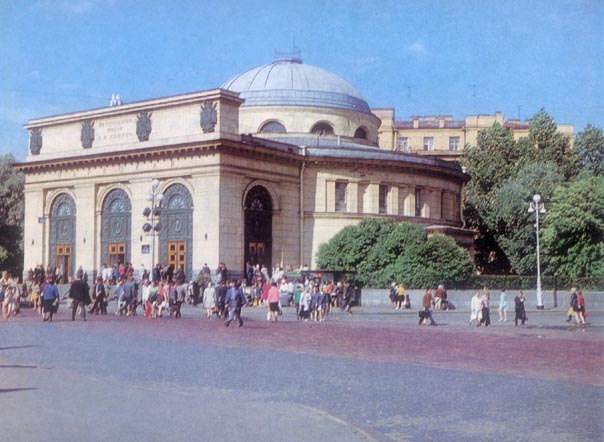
(372, 376)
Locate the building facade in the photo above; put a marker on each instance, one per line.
(441, 136)
(263, 169)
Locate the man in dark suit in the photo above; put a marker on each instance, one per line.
(79, 293)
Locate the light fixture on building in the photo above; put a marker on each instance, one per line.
(153, 226)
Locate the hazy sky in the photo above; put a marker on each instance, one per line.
(450, 57)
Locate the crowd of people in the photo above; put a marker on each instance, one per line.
(164, 290)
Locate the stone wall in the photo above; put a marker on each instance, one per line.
(460, 299)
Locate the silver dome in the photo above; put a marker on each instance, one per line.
(289, 82)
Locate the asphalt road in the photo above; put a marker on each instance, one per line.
(375, 375)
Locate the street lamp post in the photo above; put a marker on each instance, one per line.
(153, 226)
(538, 207)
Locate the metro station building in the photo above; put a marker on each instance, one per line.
(264, 168)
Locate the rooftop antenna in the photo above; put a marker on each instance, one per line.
(409, 91)
(474, 96)
(519, 109)
(293, 55)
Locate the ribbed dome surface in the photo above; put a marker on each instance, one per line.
(289, 82)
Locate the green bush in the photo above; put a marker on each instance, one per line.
(385, 251)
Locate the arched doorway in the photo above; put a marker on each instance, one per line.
(116, 227)
(258, 236)
(176, 235)
(62, 235)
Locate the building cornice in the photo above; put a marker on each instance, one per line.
(145, 105)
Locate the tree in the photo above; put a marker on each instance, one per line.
(589, 145)
(551, 145)
(509, 220)
(573, 229)
(494, 159)
(506, 174)
(11, 216)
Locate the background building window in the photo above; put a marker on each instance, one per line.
(341, 189)
(418, 202)
(273, 127)
(322, 129)
(428, 144)
(402, 144)
(454, 144)
(384, 189)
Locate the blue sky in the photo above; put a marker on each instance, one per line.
(455, 57)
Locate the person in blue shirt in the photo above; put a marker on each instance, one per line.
(235, 299)
(50, 295)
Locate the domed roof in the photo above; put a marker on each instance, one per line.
(289, 82)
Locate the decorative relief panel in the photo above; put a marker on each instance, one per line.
(208, 117)
(143, 126)
(35, 140)
(87, 134)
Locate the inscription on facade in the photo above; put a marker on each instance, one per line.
(115, 130)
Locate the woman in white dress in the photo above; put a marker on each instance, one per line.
(503, 306)
(475, 308)
(209, 300)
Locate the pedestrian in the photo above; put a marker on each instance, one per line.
(475, 309)
(572, 305)
(485, 308)
(50, 298)
(221, 292)
(129, 296)
(427, 301)
(99, 297)
(580, 312)
(36, 296)
(79, 292)
(305, 301)
(235, 299)
(400, 296)
(438, 297)
(180, 293)
(273, 298)
(4, 294)
(297, 294)
(119, 295)
(346, 303)
(392, 294)
(209, 300)
(519, 310)
(503, 306)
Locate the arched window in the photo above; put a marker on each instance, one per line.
(361, 133)
(258, 234)
(62, 235)
(116, 226)
(322, 129)
(273, 127)
(176, 235)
